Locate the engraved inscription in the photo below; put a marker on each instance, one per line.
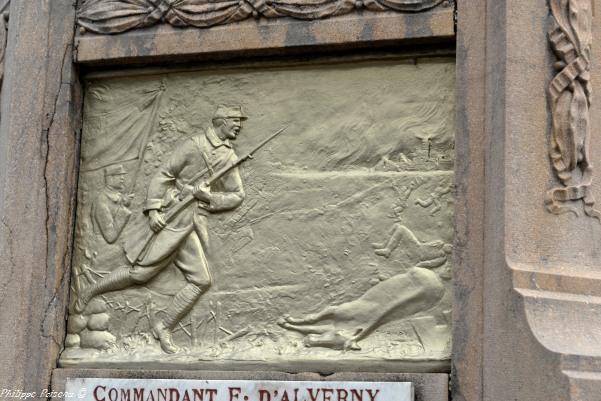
(92, 389)
(279, 218)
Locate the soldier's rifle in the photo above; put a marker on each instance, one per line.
(189, 199)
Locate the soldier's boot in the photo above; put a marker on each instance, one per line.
(163, 334)
(116, 280)
(180, 305)
(383, 252)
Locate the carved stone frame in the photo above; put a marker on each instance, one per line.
(512, 305)
(526, 290)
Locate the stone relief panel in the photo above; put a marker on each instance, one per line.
(114, 16)
(329, 247)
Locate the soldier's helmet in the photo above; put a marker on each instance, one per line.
(229, 111)
(114, 170)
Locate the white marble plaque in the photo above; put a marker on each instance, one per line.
(98, 389)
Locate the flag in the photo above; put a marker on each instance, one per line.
(117, 131)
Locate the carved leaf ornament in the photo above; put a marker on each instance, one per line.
(570, 96)
(114, 16)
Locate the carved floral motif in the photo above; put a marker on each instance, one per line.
(570, 97)
(114, 16)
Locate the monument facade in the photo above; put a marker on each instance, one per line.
(286, 200)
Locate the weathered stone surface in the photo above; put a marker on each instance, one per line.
(38, 146)
(467, 363)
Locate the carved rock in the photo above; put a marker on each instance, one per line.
(72, 341)
(76, 324)
(96, 339)
(99, 321)
(96, 306)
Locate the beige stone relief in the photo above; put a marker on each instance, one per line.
(570, 96)
(330, 246)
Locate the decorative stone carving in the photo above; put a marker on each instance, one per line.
(4, 15)
(331, 246)
(114, 16)
(570, 96)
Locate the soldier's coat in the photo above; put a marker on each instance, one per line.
(185, 239)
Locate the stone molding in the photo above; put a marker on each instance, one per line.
(165, 43)
(550, 300)
(115, 16)
(570, 90)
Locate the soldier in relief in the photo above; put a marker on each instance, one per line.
(184, 240)
(110, 210)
